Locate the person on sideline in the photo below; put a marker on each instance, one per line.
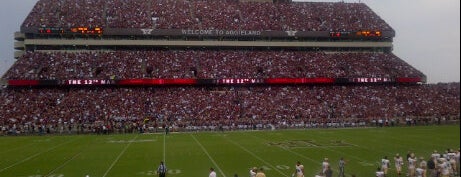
(299, 169)
(161, 170)
(260, 173)
(253, 172)
(385, 165)
(431, 167)
(342, 163)
(329, 172)
(212, 173)
(325, 165)
(412, 165)
(398, 161)
(379, 172)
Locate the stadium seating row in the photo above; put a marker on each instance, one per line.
(190, 107)
(197, 106)
(207, 64)
(216, 14)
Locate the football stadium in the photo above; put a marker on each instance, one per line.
(104, 88)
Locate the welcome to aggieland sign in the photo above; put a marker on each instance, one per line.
(215, 32)
(202, 32)
(229, 33)
(233, 33)
(221, 32)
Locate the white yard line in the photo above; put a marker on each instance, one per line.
(206, 152)
(164, 148)
(120, 155)
(35, 155)
(69, 160)
(64, 164)
(257, 157)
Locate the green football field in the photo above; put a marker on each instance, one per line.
(192, 154)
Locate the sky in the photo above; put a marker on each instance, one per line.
(427, 33)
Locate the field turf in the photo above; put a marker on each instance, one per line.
(192, 154)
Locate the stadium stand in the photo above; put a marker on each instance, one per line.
(219, 14)
(234, 107)
(207, 64)
(134, 67)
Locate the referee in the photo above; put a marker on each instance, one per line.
(161, 170)
(342, 163)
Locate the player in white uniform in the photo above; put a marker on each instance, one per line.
(385, 164)
(212, 173)
(325, 165)
(398, 160)
(452, 160)
(420, 172)
(379, 173)
(422, 167)
(253, 172)
(299, 169)
(412, 165)
(260, 173)
(457, 162)
(436, 156)
(318, 175)
(444, 167)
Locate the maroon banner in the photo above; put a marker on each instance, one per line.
(151, 82)
(300, 81)
(409, 80)
(23, 82)
(205, 82)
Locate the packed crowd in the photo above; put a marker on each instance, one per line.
(208, 64)
(194, 108)
(130, 109)
(217, 14)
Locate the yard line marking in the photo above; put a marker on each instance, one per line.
(164, 148)
(69, 160)
(64, 164)
(120, 155)
(206, 152)
(37, 154)
(256, 156)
